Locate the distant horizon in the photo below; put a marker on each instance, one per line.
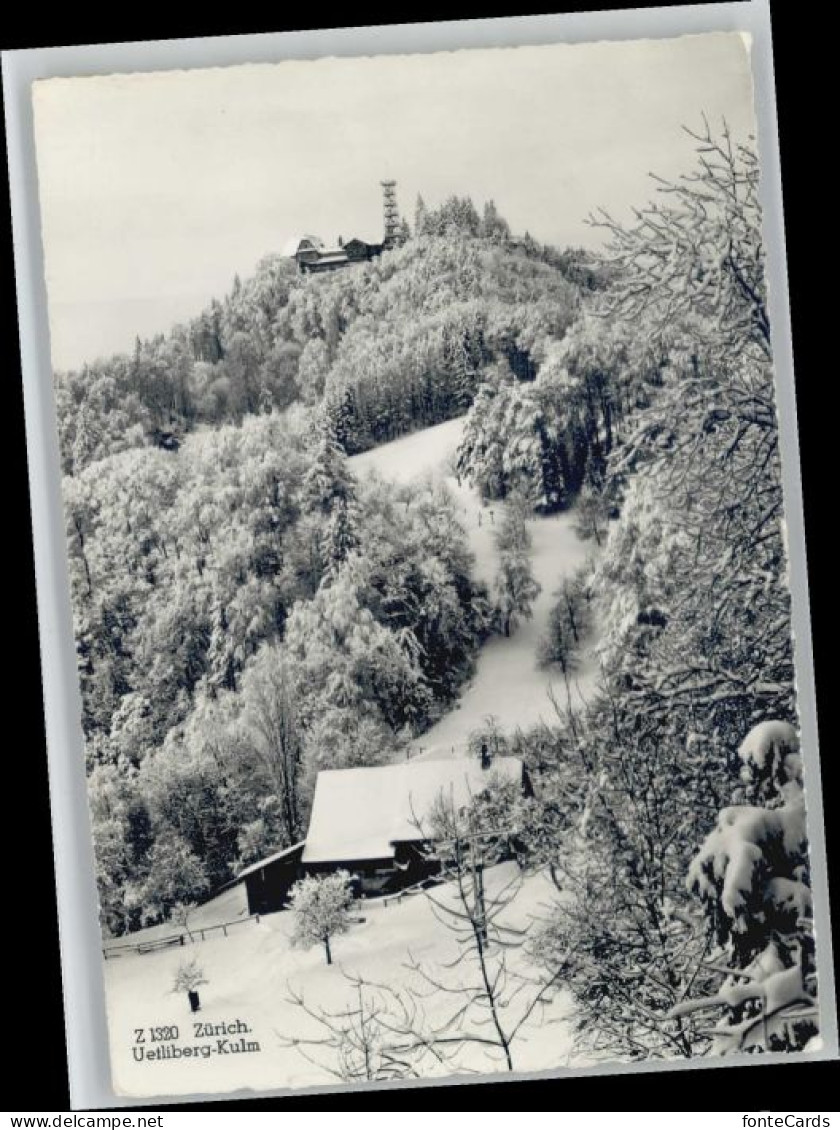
(157, 189)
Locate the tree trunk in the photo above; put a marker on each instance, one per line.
(328, 951)
(572, 622)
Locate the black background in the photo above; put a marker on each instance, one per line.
(33, 1020)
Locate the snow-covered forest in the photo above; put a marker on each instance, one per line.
(251, 608)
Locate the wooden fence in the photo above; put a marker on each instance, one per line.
(199, 933)
(152, 945)
(405, 893)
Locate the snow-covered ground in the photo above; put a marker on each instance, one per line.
(231, 907)
(508, 685)
(249, 976)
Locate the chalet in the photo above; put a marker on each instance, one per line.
(303, 248)
(312, 257)
(373, 821)
(267, 882)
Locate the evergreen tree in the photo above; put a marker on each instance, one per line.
(752, 877)
(328, 482)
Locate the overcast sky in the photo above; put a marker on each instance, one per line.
(157, 188)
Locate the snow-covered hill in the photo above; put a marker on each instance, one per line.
(250, 975)
(508, 684)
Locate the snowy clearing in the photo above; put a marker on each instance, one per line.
(508, 685)
(251, 971)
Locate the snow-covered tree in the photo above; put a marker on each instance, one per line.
(359, 1041)
(344, 658)
(482, 446)
(321, 906)
(339, 538)
(494, 1006)
(516, 588)
(270, 720)
(591, 515)
(691, 598)
(752, 877)
(328, 480)
(175, 876)
(568, 626)
(698, 247)
(493, 226)
(340, 738)
(312, 370)
(420, 216)
(189, 975)
(181, 914)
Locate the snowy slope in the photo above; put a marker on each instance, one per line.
(249, 975)
(508, 685)
(229, 906)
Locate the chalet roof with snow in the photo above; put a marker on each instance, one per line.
(278, 855)
(296, 243)
(362, 813)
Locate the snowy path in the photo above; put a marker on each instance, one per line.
(507, 685)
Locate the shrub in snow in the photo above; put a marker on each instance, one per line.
(321, 907)
(188, 976)
(752, 877)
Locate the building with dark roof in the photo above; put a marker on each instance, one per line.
(268, 881)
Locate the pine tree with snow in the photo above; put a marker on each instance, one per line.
(341, 418)
(752, 878)
(328, 481)
(339, 538)
(329, 490)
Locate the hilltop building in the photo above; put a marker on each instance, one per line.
(313, 257)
